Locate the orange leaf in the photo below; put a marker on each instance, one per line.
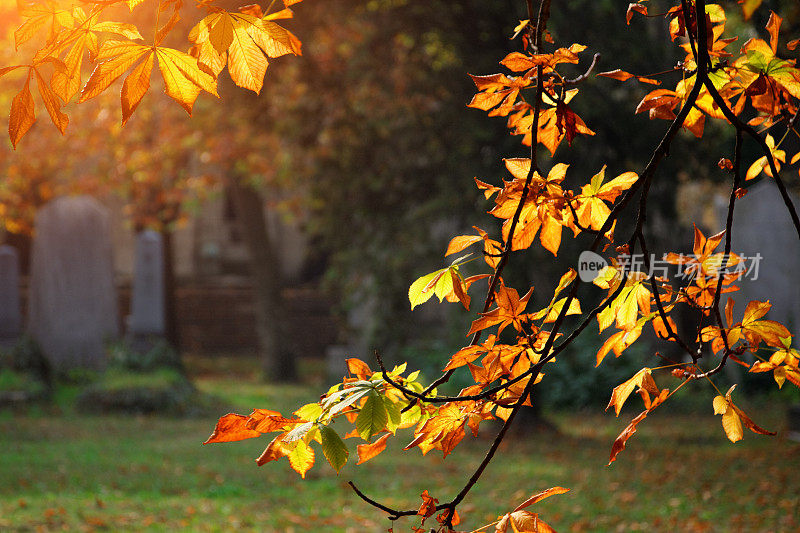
(230, 428)
(358, 368)
(266, 421)
(114, 59)
(368, 451)
(428, 506)
(22, 113)
(541, 496)
(52, 104)
(275, 450)
(749, 424)
(617, 74)
(639, 8)
(135, 86)
(462, 241)
(642, 379)
(627, 433)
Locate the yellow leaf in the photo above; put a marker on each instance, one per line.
(66, 83)
(247, 64)
(247, 40)
(183, 79)
(276, 40)
(732, 425)
(720, 405)
(419, 292)
(642, 379)
(115, 58)
(135, 86)
(301, 458)
(52, 104)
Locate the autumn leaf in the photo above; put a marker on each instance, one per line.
(460, 242)
(301, 458)
(643, 379)
(23, 113)
(634, 8)
(592, 208)
(370, 450)
(762, 164)
(358, 368)
(242, 41)
(428, 506)
(135, 86)
(755, 330)
(733, 418)
(113, 60)
(522, 522)
(621, 75)
(622, 439)
(183, 79)
(266, 421)
(39, 15)
(749, 7)
(633, 299)
(618, 342)
(553, 491)
(443, 431)
(509, 310)
(230, 428)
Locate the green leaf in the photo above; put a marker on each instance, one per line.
(372, 418)
(393, 411)
(334, 448)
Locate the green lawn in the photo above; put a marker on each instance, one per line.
(679, 473)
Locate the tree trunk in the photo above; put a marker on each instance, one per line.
(277, 362)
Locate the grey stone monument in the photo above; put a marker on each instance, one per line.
(73, 300)
(147, 293)
(10, 315)
(764, 234)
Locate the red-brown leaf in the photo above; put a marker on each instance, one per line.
(230, 428)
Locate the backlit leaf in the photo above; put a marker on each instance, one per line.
(368, 451)
(372, 418)
(230, 428)
(333, 448)
(22, 115)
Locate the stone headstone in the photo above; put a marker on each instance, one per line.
(147, 294)
(764, 235)
(10, 315)
(336, 357)
(73, 300)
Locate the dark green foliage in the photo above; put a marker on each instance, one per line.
(24, 374)
(143, 382)
(154, 391)
(574, 382)
(145, 357)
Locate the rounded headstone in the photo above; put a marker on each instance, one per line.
(73, 301)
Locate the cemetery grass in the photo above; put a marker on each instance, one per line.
(60, 470)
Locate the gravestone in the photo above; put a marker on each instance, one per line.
(147, 294)
(73, 300)
(10, 315)
(764, 235)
